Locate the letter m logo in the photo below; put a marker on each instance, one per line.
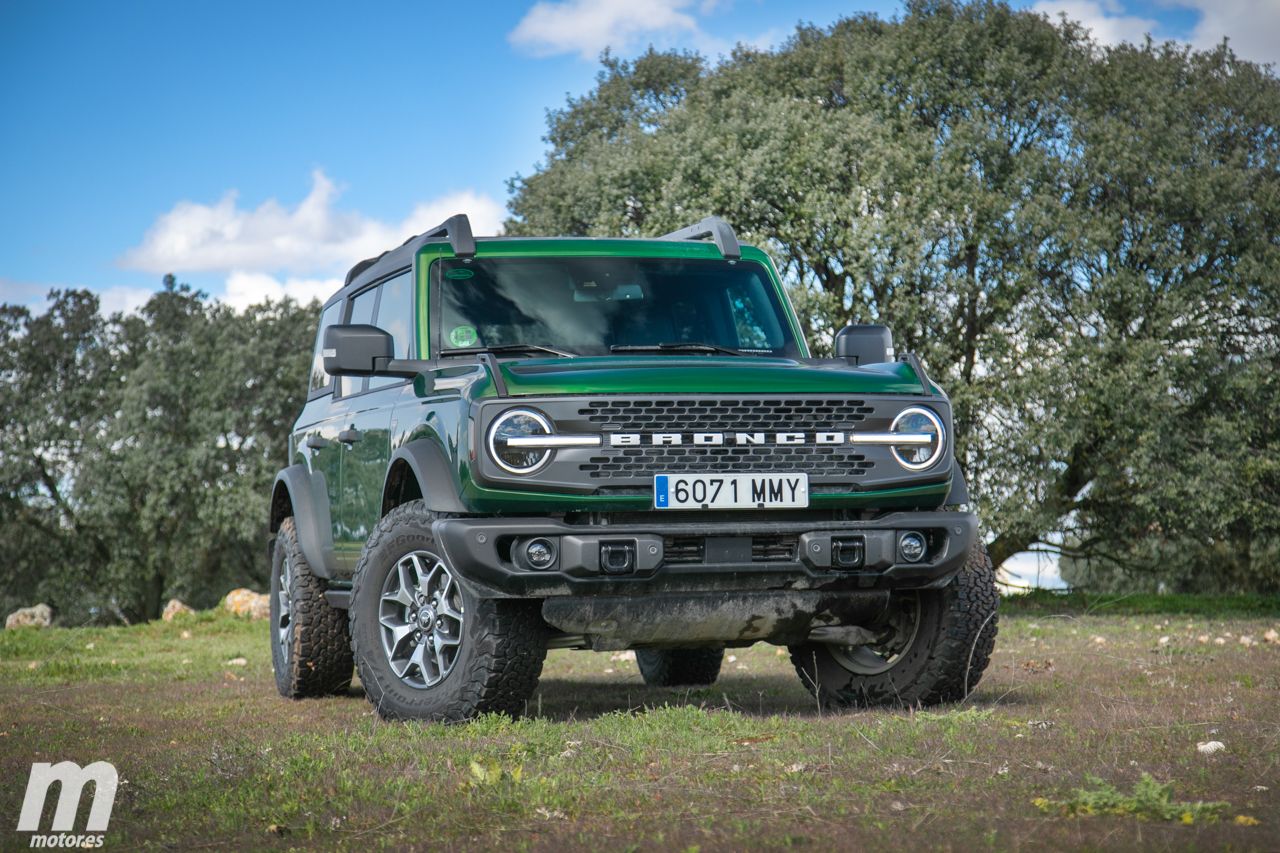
(72, 778)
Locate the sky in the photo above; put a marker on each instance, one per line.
(259, 149)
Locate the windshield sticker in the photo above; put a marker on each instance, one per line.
(459, 273)
(463, 336)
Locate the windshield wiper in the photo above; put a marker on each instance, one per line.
(683, 346)
(501, 349)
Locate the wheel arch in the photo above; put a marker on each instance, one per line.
(421, 470)
(301, 494)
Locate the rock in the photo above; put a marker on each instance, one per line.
(175, 608)
(1210, 747)
(246, 602)
(40, 616)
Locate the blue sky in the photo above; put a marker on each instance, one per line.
(257, 149)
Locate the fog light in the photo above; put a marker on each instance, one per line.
(912, 546)
(540, 553)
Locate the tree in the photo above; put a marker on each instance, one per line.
(1078, 240)
(148, 446)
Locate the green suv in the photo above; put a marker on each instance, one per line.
(512, 445)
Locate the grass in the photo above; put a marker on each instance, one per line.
(1073, 739)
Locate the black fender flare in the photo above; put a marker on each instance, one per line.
(309, 500)
(437, 477)
(959, 493)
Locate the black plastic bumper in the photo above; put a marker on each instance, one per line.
(491, 555)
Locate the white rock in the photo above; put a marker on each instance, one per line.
(246, 602)
(174, 609)
(39, 616)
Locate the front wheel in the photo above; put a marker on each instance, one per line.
(934, 646)
(425, 647)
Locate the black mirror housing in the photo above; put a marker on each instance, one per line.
(356, 350)
(864, 343)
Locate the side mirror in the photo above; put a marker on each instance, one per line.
(363, 350)
(864, 343)
(355, 350)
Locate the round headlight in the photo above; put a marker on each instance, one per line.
(919, 454)
(518, 423)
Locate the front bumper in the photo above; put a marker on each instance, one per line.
(658, 556)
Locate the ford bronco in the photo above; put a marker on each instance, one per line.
(512, 445)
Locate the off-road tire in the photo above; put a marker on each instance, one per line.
(952, 646)
(680, 667)
(504, 642)
(315, 659)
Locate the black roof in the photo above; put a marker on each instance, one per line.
(456, 230)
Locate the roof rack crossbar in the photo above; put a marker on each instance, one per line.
(715, 228)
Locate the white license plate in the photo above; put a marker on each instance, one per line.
(730, 491)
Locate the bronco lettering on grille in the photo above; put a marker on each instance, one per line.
(718, 439)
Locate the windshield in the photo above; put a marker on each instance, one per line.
(594, 306)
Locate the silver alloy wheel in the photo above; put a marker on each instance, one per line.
(884, 654)
(284, 622)
(420, 612)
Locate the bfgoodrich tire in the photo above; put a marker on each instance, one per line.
(679, 667)
(310, 652)
(425, 647)
(940, 643)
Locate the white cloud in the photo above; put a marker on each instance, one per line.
(1253, 27)
(252, 288)
(586, 27)
(123, 299)
(274, 250)
(1105, 19)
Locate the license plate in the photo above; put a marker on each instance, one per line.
(730, 491)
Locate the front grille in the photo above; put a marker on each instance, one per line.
(744, 414)
(725, 415)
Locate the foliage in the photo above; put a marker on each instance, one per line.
(1079, 240)
(1150, 800)
(143, 448)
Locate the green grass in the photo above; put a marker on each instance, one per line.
(1150, 800)
(1141, 604)
(210, 755)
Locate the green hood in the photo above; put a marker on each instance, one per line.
(665, 374)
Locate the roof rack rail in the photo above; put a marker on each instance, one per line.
(456, 228)
(715, 228)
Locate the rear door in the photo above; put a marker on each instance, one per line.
(368, 405)
(316, 436)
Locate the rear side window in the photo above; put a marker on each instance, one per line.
(319, 379)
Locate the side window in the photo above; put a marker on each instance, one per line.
(362, 307)
(320, 379)
(395, 315)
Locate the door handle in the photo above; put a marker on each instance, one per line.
(315, 442)
(349, 436)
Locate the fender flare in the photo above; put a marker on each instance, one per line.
(959, 493)
(437, 477)
(310, 502)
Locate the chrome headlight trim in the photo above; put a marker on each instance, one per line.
(490, 441)
(912, 439)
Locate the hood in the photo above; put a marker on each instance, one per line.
(665, 374)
